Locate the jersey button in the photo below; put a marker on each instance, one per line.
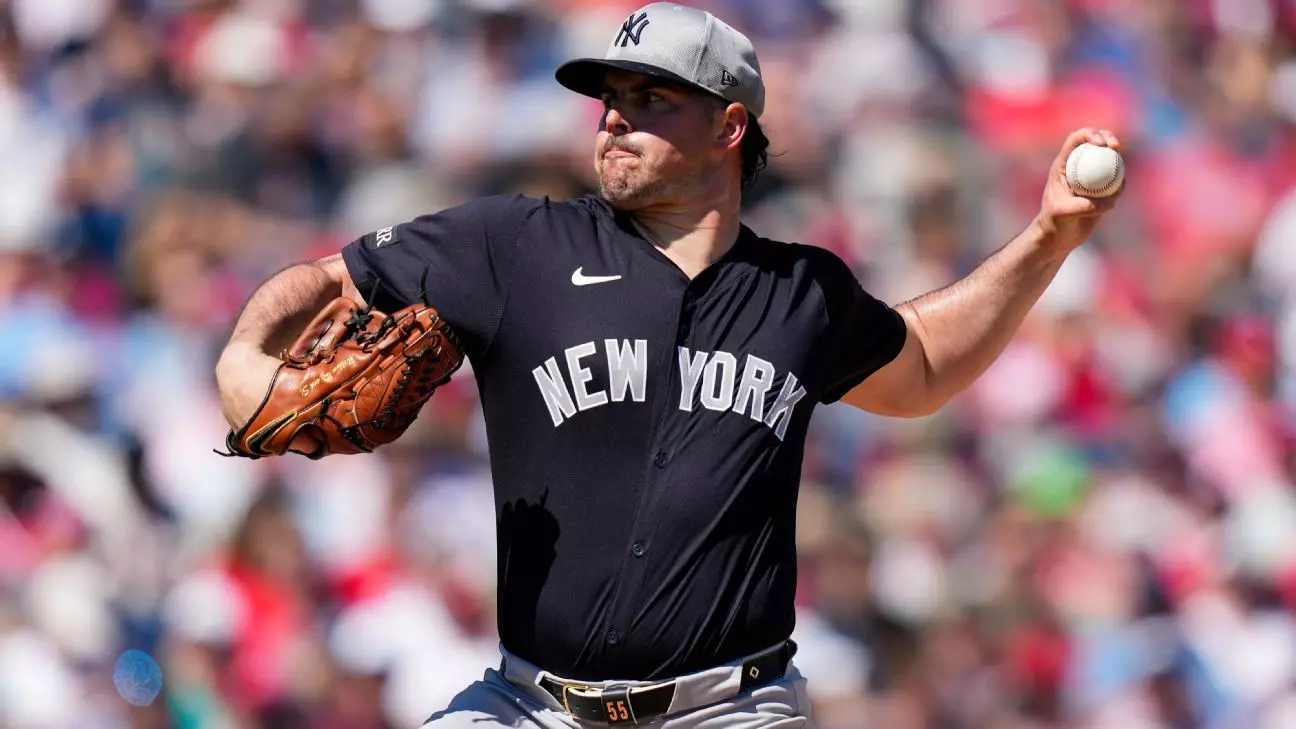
(661, 459)
(638, 549)
(613, 637)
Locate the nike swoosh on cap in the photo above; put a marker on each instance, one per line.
(580, 279)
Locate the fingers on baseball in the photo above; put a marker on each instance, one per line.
(1105, 204)
(1075, 139)
(1100, 137)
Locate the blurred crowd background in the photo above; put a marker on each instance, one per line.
(1101, 534)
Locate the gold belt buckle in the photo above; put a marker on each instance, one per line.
(573, 687)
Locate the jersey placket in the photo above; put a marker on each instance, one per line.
(658, 470)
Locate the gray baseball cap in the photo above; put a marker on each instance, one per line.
(682, 44)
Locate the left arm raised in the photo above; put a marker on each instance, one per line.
(956, 333)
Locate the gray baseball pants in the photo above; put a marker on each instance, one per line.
(708, 699)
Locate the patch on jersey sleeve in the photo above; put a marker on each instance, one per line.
(383, 237)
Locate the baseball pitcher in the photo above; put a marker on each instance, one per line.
(648, 367)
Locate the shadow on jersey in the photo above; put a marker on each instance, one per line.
(528, 535)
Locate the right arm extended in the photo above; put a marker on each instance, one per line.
(271, 320)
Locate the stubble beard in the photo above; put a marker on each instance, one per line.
(624, 192)
(628, 191)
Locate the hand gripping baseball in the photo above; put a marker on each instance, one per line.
(355, 379)
(1067, 216)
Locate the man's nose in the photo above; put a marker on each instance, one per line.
(615, 123)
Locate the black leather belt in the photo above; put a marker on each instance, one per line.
(626, 705)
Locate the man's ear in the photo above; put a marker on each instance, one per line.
(733, 127)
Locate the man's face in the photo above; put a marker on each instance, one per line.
(656, 142)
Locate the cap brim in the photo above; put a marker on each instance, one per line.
(585, 75)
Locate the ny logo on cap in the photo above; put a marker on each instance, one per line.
(632, 29)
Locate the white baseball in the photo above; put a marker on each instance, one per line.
(1094, 171)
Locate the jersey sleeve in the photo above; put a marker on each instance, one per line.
(864, 334)
(458, 261)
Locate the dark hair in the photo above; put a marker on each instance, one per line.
(755, 145)
(755, 154)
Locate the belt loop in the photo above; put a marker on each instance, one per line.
(539, 682)
(617, 706)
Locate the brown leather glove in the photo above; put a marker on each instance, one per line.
(355, 379)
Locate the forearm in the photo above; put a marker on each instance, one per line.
(270, 322)
(280, 307)
(956, 333)
(964, 327)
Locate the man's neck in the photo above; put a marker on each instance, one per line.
(692, 239)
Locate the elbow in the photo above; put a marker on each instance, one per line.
(920, 407)
(929, 396)
(919, 412)
(227, 366)
(912, 405)
(934, 393)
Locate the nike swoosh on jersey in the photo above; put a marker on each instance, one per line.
(580, 279)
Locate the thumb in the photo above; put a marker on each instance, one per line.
(1073, 140)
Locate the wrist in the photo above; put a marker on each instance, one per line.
(1045, 240)
(236, 356)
